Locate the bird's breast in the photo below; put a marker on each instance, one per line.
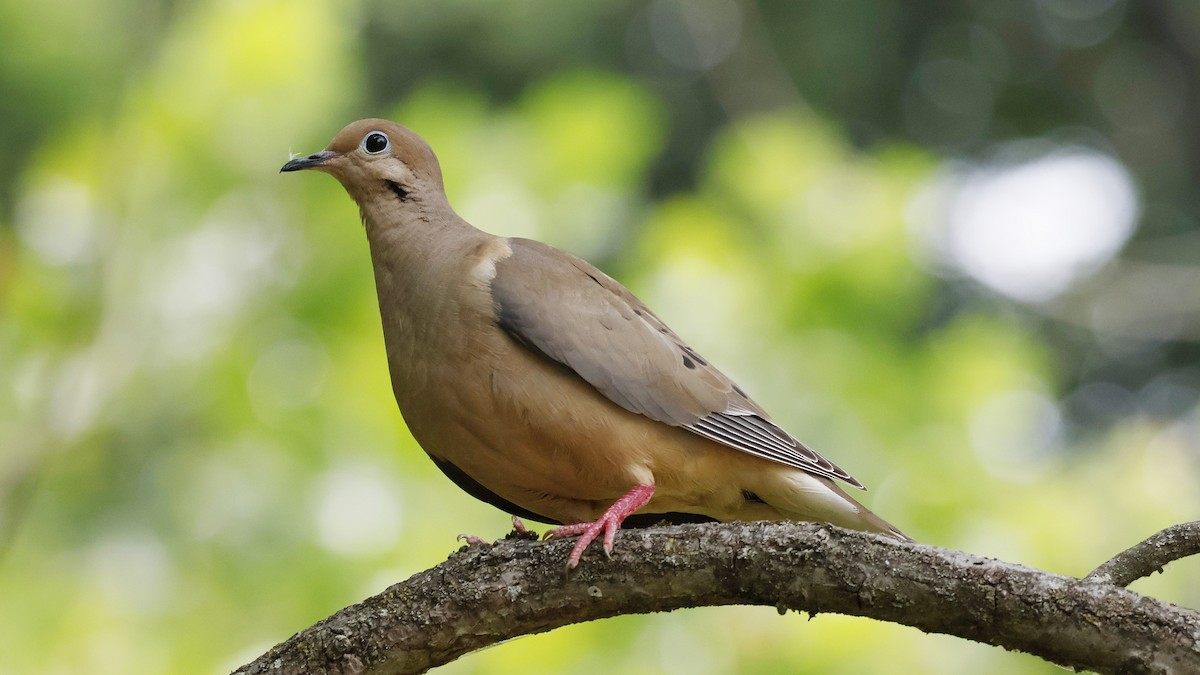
(523, 426)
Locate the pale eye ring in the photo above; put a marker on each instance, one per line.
(375, 143)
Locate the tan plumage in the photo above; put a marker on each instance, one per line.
(543, 386)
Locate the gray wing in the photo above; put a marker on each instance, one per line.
(564, 308)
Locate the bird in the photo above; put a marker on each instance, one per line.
(542, 386)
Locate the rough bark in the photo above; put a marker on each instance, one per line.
(488, 593)
(1149, 556)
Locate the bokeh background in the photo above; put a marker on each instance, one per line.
(954, 245)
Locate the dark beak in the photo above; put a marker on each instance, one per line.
(314, 160)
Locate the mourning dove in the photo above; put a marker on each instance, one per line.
(542, 386)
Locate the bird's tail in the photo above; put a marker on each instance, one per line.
(803, 496)
(866, 518)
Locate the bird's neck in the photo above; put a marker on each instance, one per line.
(411, 239)
(419, 256)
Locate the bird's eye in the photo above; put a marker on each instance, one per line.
(375, 142)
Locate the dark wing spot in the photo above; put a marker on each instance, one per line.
(739, 391)
(752, 498)
(688, 363)
(693, 354)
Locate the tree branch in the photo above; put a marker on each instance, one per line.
(1148, 557)
(485, 594)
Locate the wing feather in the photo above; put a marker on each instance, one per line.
(567, 310)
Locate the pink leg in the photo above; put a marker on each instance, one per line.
(610, 522)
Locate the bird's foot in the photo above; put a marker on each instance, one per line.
(519, 532)
(609, 523)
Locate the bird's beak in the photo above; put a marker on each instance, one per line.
(311, 162)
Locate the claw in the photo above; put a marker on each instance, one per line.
(519, 531)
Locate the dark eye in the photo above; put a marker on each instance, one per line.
(375, 142)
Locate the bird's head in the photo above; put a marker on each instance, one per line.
(379, 159)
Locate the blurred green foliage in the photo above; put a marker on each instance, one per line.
(199, 452)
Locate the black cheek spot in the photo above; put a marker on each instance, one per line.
(398, 190)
